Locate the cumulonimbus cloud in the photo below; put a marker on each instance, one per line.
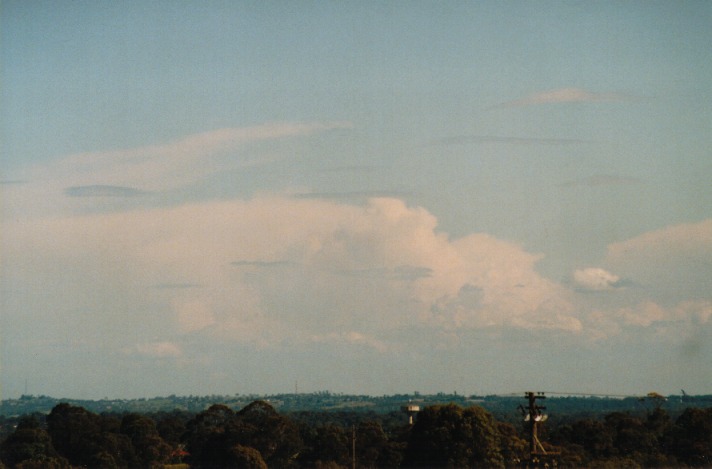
(368, 269)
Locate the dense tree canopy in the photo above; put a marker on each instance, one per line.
(450, 436)
(29, 442)
(690, 439)
(257, 437)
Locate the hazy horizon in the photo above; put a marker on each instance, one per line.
(364, 197)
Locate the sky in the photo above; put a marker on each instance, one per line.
(356, 197)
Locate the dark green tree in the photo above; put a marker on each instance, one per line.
(30, 445)
(370, 442)
(276, 437)
(244, 457)
(148, 445)
(690, 439)
(630, 436)
(323, 445)
(205, 437)
(594, 437)
(452, 437)
(213, 434)
(76, 434)
(89, 440)
(514, 448)
(172, 426)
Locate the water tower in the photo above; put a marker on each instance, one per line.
(410, 410)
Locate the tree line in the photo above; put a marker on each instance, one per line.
(257, 436)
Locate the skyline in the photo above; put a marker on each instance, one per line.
(220, 198)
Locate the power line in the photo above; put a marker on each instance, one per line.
(584, 394)
(592, 394)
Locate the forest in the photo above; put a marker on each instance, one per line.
(462, 433)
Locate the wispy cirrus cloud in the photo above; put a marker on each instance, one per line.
(565, 95)
(401, 272)
(176, 286)
(351, 195)
(602, 180)
(484, 139)
(261, 263)
(354, 169)
(182, 161)
(103, 191)
(138, 171)
(162, 349)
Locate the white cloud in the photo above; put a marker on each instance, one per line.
(193, 315)
(564, 95)
(670, 268)
(677, 241)
(597, 180)
(674, 262)
(698, 311)
(496, 285)
(667, 323)
(595, 279)
(155, 350)
(645, 314)
(351, 338)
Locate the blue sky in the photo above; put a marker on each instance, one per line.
(364, 197)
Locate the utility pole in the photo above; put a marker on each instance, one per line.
(353, 447)
(533, 416)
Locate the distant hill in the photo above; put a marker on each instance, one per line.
(503, 407)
